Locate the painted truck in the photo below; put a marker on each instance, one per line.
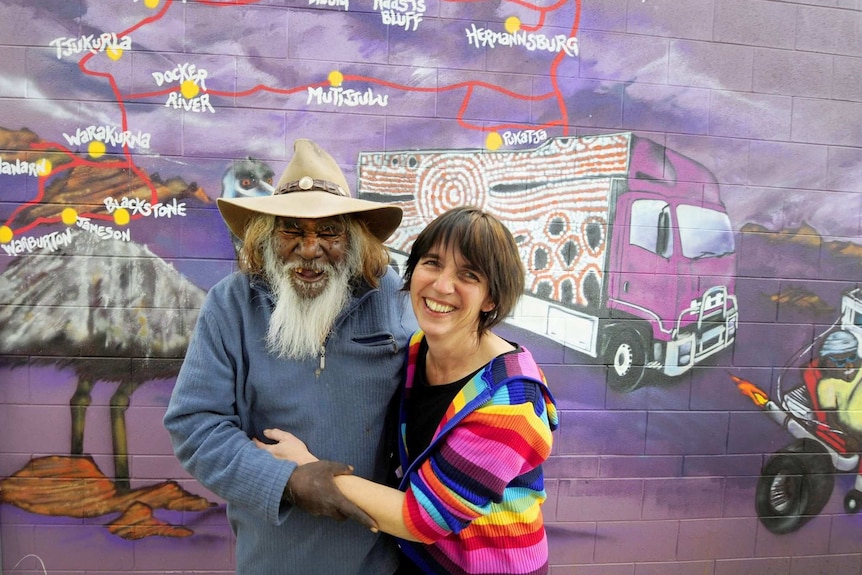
(629, 251)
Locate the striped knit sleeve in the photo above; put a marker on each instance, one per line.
(506, 437)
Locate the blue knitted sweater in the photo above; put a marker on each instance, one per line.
(230, 389)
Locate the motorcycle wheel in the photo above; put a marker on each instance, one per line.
(794, 486)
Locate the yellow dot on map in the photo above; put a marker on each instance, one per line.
(336, 78)
(69, 216)
(513, 24)
(151, 3)
(114, 53)
(122, 217)
(44, 167)
(5, 234)
(189, 89)
(96, 149)
(493, 141)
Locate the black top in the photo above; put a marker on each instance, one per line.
(427, 405)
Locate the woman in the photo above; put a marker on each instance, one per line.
(475, 418)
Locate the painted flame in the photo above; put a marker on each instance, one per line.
(748, 389)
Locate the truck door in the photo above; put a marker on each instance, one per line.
(643, 275)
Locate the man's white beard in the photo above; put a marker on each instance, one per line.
(300, 324)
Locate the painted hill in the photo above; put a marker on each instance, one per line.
(75, 487)
(814, 271)
(805, 235)
(84, 184)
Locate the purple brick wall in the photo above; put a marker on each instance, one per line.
(765, 94)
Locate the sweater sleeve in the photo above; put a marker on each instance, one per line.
(204, 427)
(473, 464)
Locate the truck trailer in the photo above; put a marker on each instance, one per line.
(629, 251)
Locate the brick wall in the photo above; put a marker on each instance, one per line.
(120, 118)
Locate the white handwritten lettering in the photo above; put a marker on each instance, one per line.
(181, 73)
(483, 37)
(103, 232)
(199, 104)
(109, 135)
(524, 137)
(20, 167)
(400, 5)
(331, 3)
(141, 207)
(404, 13)
(338, 96)
(409, 22)
(49, 242)
(90, 43)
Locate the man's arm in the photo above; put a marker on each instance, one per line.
(376, 506)
(205, 430)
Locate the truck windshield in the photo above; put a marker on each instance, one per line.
(704, 233)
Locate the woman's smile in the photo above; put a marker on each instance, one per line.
(438, 307)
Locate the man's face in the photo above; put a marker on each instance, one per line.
(842, 365)
(308, 265)
(311, 250)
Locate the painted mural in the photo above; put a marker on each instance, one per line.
(684, 180)
(815, 401)
(600, 226)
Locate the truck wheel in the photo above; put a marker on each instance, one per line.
(794, 486)
(624, 359)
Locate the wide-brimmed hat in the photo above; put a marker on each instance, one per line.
(312, 186)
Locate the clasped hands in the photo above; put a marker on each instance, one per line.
(311, 486)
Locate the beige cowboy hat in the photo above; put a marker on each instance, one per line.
(312, 186)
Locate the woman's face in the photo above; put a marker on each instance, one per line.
(448, 294)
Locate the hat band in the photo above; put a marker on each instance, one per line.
(307, 183)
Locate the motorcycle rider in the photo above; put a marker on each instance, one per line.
(838, 390)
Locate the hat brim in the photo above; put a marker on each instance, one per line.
(382, 219)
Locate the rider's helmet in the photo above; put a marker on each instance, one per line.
(839, 343)
(839, 354)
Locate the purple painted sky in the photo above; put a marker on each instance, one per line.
(648, 81)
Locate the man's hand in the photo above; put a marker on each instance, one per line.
(312, 488)
(312, 485)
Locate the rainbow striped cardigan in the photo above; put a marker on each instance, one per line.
(474, 496)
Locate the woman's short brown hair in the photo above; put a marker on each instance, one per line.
(487, 245)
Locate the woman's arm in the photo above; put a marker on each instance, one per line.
(471, 468)
(384, 504)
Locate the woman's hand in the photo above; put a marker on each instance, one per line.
(286, 446)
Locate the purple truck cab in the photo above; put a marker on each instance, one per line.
(670, 285)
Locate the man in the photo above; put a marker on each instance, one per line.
(838, 390)
(308, 337)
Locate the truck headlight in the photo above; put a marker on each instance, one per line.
(684, 354)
